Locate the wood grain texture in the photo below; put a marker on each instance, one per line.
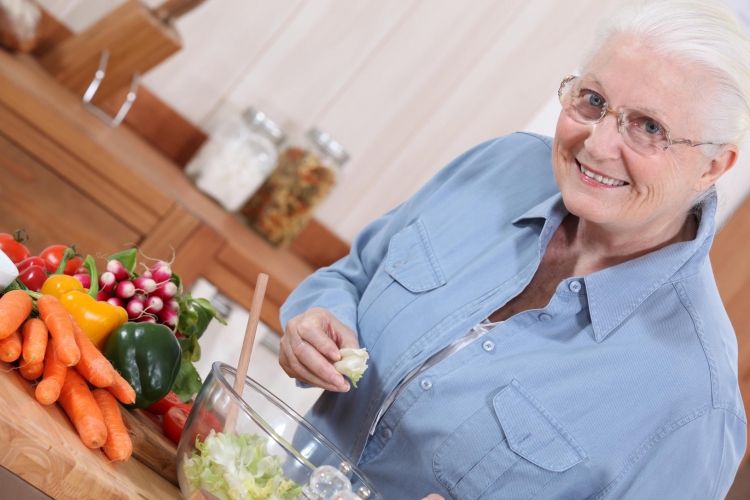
(237, 289)
(213, 60)
(136, 41)
(50, 109)
(169, 234)
(319, 246)
(41, 446)
(51, 33)
(159, 124)
(196, 253)
(150, 446)
(51, 210)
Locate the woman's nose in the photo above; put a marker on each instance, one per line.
(605, 141)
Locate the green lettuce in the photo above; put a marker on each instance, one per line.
(238, 467)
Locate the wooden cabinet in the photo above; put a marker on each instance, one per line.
(69, 178)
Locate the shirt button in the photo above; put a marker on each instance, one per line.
(545, 317)
(426, 384)
(386, 433)
(575, 286)
(488, 345)
(399, 263)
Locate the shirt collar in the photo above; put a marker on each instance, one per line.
(614, 293)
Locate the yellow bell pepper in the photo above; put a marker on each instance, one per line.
(59, 284)
(96, 319)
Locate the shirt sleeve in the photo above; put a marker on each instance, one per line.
(339, 287)
(696, 460)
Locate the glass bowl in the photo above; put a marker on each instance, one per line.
(262, 418)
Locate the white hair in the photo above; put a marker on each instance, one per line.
(707, 35)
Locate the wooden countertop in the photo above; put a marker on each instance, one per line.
(136, 184)
(40, 445)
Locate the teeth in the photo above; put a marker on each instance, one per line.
(599, 178)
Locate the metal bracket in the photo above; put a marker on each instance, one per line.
(94, 86)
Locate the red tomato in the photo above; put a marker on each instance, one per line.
(31, 261)
(13, 246)
(174, 421)
(53, 256)
(205, 422)
(33, 277)
(164, 404)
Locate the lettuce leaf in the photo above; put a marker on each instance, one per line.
(352, 364)
(238, 467)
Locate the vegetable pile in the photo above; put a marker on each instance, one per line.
(53, 346)
(130, 336)
(238, 467)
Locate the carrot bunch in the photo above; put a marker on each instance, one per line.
(55, 348)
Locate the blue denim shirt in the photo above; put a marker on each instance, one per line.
(623, 386)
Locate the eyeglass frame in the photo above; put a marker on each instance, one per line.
(621, 116)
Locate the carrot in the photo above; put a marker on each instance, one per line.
(31, 371)
(10, 347)
(78, 402)
(122, 390)
(15, 307)
(58, 321)
(49, 388)
(34, 340)
(93, 365)
(118, 446)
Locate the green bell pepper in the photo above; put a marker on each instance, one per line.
(148, 356)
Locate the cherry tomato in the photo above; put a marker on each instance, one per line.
(13, 246)
(33, 277)
(164, 404)
(174, 421)
(31, 261)
(53, 256)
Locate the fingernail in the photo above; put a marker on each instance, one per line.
(335, 356)
(337, 380)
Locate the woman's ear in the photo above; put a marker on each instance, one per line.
(718, 167)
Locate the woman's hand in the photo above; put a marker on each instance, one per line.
(311, 344)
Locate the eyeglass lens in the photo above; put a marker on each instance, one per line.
(643, 133)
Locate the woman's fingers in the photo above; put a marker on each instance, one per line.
(314, 328)
(433, 496)
(295, 368)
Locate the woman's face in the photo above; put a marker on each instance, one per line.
(658, 189)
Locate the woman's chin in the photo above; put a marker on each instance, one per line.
(588, 208)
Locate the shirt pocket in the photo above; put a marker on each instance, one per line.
(508, 449)
(409, 269)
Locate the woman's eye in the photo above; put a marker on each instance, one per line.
(650, 127)
(594, 99)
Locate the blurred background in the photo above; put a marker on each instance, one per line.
(335, 111)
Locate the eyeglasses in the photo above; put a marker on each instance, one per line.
(642, 133)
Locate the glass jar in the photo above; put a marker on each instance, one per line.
(283, 206)
(237, 158)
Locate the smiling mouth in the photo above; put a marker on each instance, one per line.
(600, 178)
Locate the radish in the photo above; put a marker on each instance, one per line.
(154, 304)
(161, 272)
(140, 295)
(107, 282)
(146, 318)
(125, 289)
(168, 317)
(146, 284)
(134, 308)
(167, 290)
(81, 270)
(147, 274)
(172, 304)
(85, 279)
(103, 297)
(115, 302)
(115, 267)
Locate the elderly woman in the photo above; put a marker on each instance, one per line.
(541, 317)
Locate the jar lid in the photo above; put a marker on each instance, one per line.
(259, 120)
(329, 145)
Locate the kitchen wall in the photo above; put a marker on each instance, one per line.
(405, 85)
